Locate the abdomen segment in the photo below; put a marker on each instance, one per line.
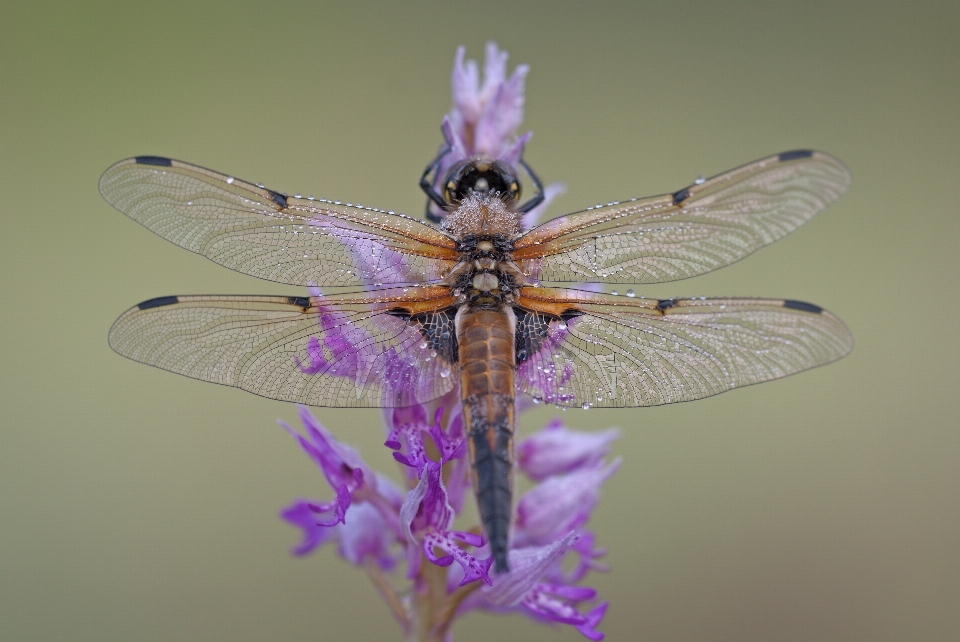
(487, 368)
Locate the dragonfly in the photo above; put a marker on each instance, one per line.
(476, 301)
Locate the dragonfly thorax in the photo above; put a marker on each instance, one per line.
(483, 214)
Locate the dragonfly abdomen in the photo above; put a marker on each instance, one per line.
(487, 369)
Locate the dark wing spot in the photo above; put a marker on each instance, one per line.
(795, 154)
(153, 160)
(278, 198)
(400, 313)
(156, 303)
(800, 305)
(299, 301)
(681, 196)
(571, 314)
(666, 304)
(530, 333)
(438, 330)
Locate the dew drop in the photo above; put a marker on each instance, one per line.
(585, 406)
(562, 325)
(630, 293)
(423, 345)
(614, 292)
(229, 180)
(445, 372)
(521, 355)
(700, 180)
(297, 196)
(260, 185)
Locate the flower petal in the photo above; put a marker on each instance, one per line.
(560, 502)
(465, 82)
(527, 566)
(556, 450)
(340, 464)
(501, 116)
(589, 628)
(301, 514)
(426, 507)
(367, 534)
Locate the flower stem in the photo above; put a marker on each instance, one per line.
(448, 609)
(388, 593)
(431, 592)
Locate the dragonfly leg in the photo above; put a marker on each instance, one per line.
(427, 186)
(538, 197)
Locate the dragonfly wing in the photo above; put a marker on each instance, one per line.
(357, 350)
(257, 231)
(695, 230)
(607, 351)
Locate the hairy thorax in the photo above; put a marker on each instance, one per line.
(486, 276)
(483, 214)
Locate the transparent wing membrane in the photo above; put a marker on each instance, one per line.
(695, 230)
(256, 231)
(343, 351)
(621, 352)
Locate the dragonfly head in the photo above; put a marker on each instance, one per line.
(482, 176)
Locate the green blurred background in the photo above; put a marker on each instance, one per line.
(138, 505)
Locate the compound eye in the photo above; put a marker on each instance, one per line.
(450, 191)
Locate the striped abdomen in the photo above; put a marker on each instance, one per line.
(487, 368)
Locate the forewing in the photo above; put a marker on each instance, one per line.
(695, 230)
(607, 351)
(360, 350)
(257, 231)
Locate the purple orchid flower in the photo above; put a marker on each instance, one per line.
(376, 524)
(374, 521)
(556, 450)
(484, 121)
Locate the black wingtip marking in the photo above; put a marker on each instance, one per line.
(800, 305)
(158, 302)
(299, 301)
(278, 198)
(400, 313)
(153, 160)
(795, 154)
(681, 196)
(666, 304)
